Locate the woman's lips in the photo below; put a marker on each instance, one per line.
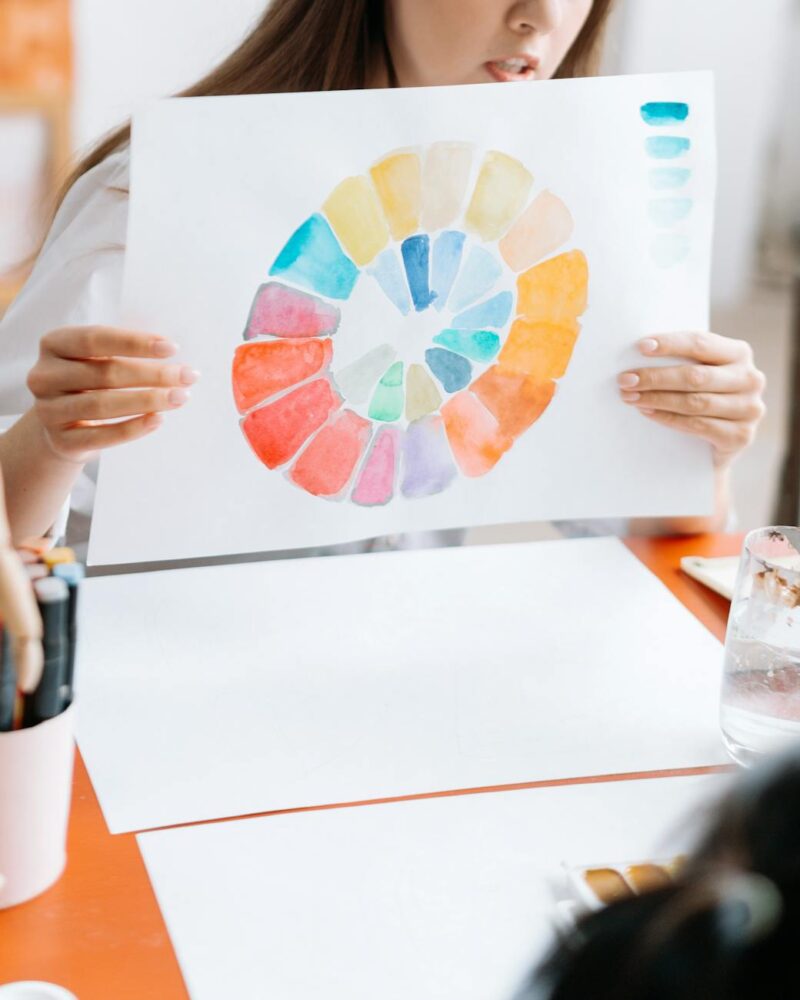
(514, 69)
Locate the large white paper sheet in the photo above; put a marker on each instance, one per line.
(229, 690)
(444, 899)
(508, 204)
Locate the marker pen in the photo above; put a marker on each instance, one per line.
(52, 596)
(8, 683)
(71, 574)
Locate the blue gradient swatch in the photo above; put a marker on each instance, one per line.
(478, 275)
(664, 113)
(669, 249)
(666, 212)
(667, 147)
(669, 178)
(390, 276)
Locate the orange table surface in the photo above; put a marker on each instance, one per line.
(99, 931)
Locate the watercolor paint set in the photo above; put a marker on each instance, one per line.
(586, 889)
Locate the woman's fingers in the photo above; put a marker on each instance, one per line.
(80, 342)
(726, 406)
(707, 348)
(727, 436)
(693, 378)
(99, 404)
(84, 439)
(56, 375)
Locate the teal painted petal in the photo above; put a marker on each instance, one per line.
(493, 313)
(314, 259)
(388, 398)
(479, 345)
(478, 275)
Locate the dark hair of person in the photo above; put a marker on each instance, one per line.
(729, 929)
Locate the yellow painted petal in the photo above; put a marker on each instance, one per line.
(542, 350)
(398, 181)
(500, 193)
(555, 291)
(422, 396)
(543, 227)
(444, 183)
(354, 212)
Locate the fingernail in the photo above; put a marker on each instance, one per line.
(189, 375)
(648, 345)
(177, 397)
(628, 380)
(163, 348)
(647, 413)
(631, 397)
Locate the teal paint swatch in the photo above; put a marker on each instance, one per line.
(313, 258)
(493, 313)
(669, 178)
(479, 345)
(669, 249)
(453, 371)
(666, 212)
(664, 113)
(387, 401)
(391, 277)
(667, 147)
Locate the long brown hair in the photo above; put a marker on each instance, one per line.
(310, 45)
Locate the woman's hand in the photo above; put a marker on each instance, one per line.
(717, 396)
(87, 376)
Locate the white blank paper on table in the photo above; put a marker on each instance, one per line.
(229, 690)
(444, 899)
(410, 308)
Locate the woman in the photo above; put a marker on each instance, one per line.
(89, 372)
(727, 931)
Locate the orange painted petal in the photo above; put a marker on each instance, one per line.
(516, 401)
(327, 464)
(277, 431)
(474, 435)
(262, 368)
(555, 291)
(542, 350)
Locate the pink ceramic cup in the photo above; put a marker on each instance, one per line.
(35, 788)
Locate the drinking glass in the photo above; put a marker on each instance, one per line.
(760, 705)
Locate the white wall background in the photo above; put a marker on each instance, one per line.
(132, 50)
(128, 51)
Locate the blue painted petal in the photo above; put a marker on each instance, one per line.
(492, 313)
(416, 257)
(389, 275)
(663, 113)
(453, 371)
(480, 345)
(446, 261)
(313, 258)
(478, 276)
(667, 147)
